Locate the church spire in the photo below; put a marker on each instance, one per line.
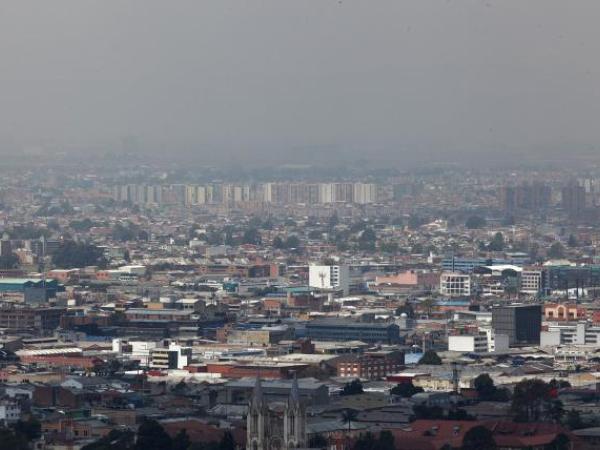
(294, 398)
(257, 393)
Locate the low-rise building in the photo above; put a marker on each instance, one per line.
(580, 333)
(344, 330)
(482, 342)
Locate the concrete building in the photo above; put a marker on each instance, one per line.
(172, 357)
(580, 333)
(10, 411)
(346, 330)
(240, 392)
(135, 350)
(531, 282)
(371, 365)
(521, 323)
(364, 193)
(454, 284)
(31, 319)
(330, 277)
(483, 342)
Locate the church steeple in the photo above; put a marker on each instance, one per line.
(294, 429)
(294, 398)
(268, 429)
(256, 419)
(257, 399)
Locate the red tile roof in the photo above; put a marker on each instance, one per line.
(434, 434)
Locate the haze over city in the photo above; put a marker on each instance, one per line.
(286, 82)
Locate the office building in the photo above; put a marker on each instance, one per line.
(573, 199)
(371, 365)
(31, 319)
(521, 323)
(580, 333)
(467, 265)
(526, 197)
(482, 342)
(330, 277)
(531, 282)
(453, 284)
(171, 357)
(347, 330)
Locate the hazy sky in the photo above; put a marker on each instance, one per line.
(301, 79)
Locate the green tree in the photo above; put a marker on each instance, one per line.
(405, 390)
(405, 309)
(9, 440)
(559, 384)
(31, 428)
(386, 441)
(475, 222)
(554, 411)
(556, 251)
(152, 436)
(278, 242)
(424, 412)
(354, 387)
(532, 401)
(114, 440)
(9, 261)
(431, 358)
(478, 438)
(573, 420)
(227, 441)
(367, 239)
(427, 305)
(125, 232)
(292, 242)
(415, 222)
(315, 234)
(572, 242)
(181, 441)
(180, 388)
(497, 243)
(72, 254)
(459, 414)
(268, 224)
(484, 385)
(389, 247)
(251, 236)
(318, 441)
(81, 225)
(562, 442)
(28, 231)
(366, 441)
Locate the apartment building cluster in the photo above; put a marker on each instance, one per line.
(231, 194)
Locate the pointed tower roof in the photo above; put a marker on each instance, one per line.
(294, 398)
(257, 393)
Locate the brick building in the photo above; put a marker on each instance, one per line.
(371, 365)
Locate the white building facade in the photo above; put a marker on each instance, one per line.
(453, 284)
(330, 277)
